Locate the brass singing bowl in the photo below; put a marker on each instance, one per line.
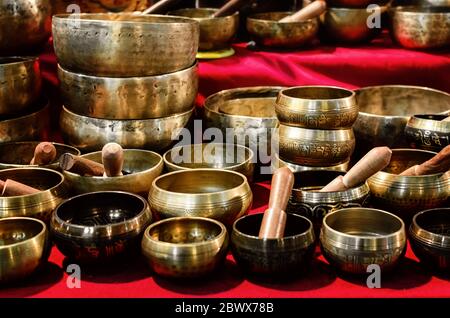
(278, 163)
(273, 258)
(363, 4)
(23, 247)
(222, 195)
(24, 25)
(315, 147)
(141, 167)
(429, 235)
(354, 238)
(185, 247)
(215, 33)
(91, 134)
(428, 132)
(266, 31)
(39, 205)
(129, 97)
(20, 87)
(124, 44)
(19, 154)
(214, 155)
(99, 227)
(317, 107)
(416, 27)
(407, 195)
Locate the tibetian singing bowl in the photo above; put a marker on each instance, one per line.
(124, 44)
(278, 163)
(222, 195)
(39, 205)
(129, 97)
(430, 238)
(98, 227)
(185, 247)
(215, 33)
(266, 30)
(428, 132)
(317, 107)
(91, 134)
(273, 258)
(23, 247)
(354, 238)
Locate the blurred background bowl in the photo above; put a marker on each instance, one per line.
(428, 132)
(355, 3)
(278, 163)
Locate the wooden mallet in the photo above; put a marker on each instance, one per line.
(312, 10)
(80, 165)
(112, 158)
(44, 154)
(11, 188)
(439, 163)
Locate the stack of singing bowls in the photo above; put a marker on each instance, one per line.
(125, 78)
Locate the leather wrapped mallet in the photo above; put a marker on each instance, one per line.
(438, 164)
(312, 10)
(112, 158)
(44, 154)
(10, 188)
(229, 8)
(80, 165)
(160, 7)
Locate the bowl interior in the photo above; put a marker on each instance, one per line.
(195, 12)
(317, 93)
(21, 153)
(403, 159)
(252, 107)
(436, 221)
(37, 178)
(14, 231)
(126, 17)
(13, 59)
(423, 9)
(314, 180)
(431, 117)
(270, 16)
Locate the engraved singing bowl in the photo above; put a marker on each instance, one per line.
(38, 205)
(429, 235)
(215, 33)
(428, 132)
(19, 154)
(287, 257)
(98, 227)
(355, 3)
(278, 163)
(266, 31)
(124, 44)
(91, 134)
(24, 25)
(317, 107)
(307, 201)
(20, 84)
(185, 247)
(141, 167)
(315, 147)
(352, 239)
(23, 247)
(407, 195)
(129, 97)
(416, 27)
(222, 195)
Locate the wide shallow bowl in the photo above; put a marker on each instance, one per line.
(354, 238)
(23, 247)
(222, 195)
(278, 163)
(185, 247)
(428, 132)
(97, 227)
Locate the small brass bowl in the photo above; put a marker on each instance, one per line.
(215, 33)
(185, 247)
(355, 3)
(142, 166)
(39, 205)
(354, 238)
(23, 247)
(430, 238)
(19, 154)
(317, 107)
(407, 195)
(222, 195)
(213, 155)
(284, 257)
(306, 200)
(91, 134)
(129, 97)
(315, 147)
(124, 44)
(97, 227)
(278, 163)
(20, 80)
(266, 31)
(416, 27)
(428, 132)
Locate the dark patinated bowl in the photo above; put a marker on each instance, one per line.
(428, 132)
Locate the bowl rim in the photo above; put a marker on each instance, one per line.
(207, 9)
(410, 9)
(42, 232)
(21, 59)
(438, 126)
(275, 158)
(42, 105)
(418, 233)
(254, 18)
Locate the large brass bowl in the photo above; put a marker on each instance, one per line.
(428, 132)
(278, 163)
(23, 247)
(185, 247)
(222, 195)
(124, 44)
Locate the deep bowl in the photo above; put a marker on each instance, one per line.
(428, 132)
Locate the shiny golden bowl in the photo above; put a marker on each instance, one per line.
(23, 247)
(40, 205)
(265, 30)
(278, 163)
(428, 132)
(317, 107)
(124, 44)
(222, 195)
(185, 247)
